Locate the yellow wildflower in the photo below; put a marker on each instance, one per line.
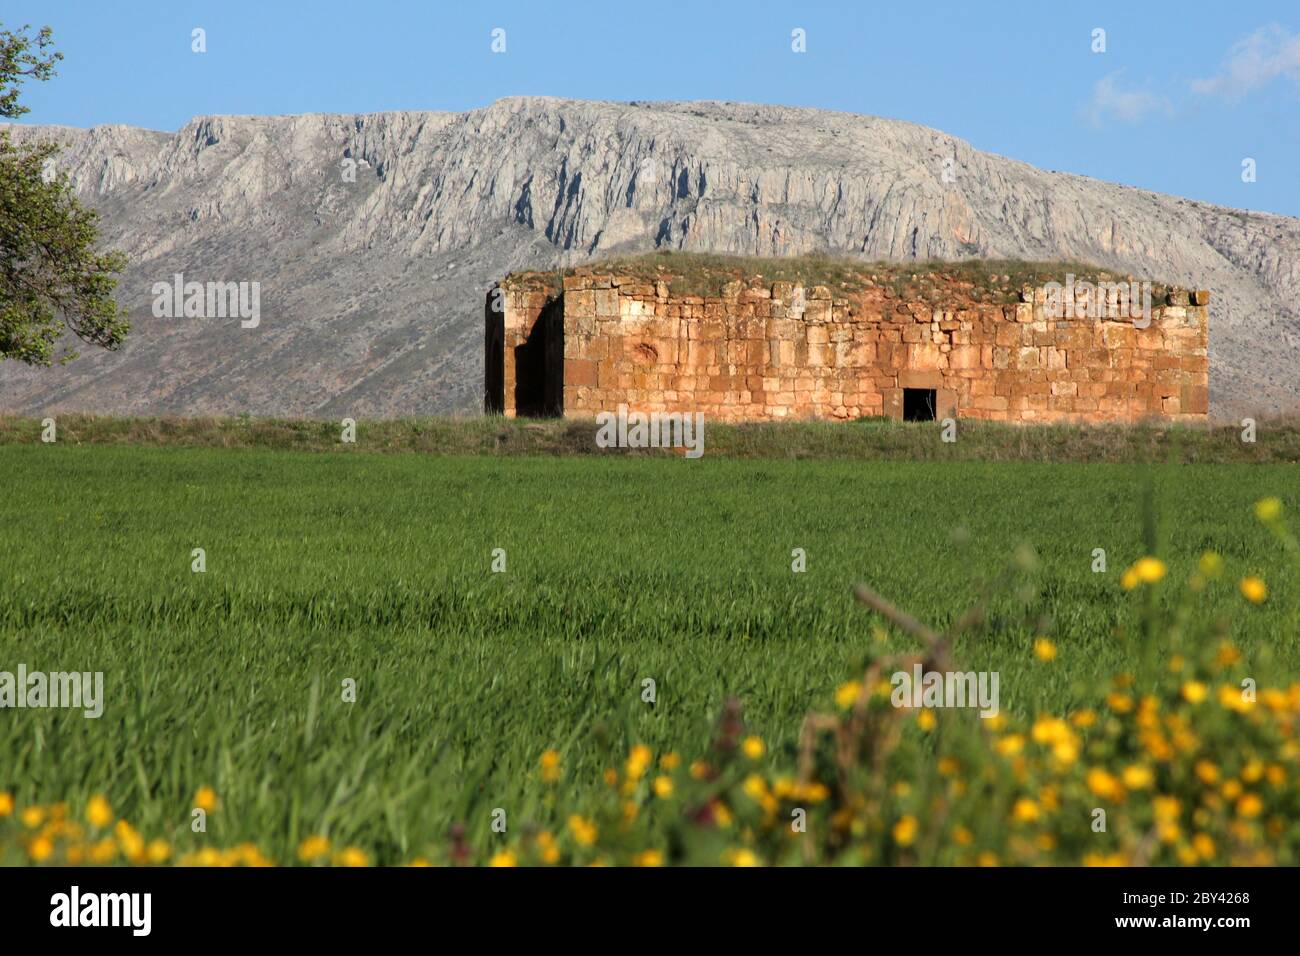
(40, 849)
(814, 791)
(32, 817)
(1232, 698)
(1010, 745)
(1207, 772)
(1268, 509)
(847, 693)
(637, 762)
(352, 856)
(1050, 730)
(129, 839)
(752, 747)
(1149, 570)
(1066, 750)
(1025, 811)
(1165, 809)
(1119, 703)
(1203, 844)
(583, 830)
(1044, 650)
(313, 848)
(99, 813)
(550, 851)
(103, 851)
(1138, 777)
(1104, 784)
(1227, 655)
(1250, 805)
(904, 830)
(1254, 590)
(550, 765)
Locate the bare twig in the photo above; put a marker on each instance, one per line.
(904, 620)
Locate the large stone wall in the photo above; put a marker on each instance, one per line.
(778, 351)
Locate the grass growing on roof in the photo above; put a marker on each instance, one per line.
(995, 281)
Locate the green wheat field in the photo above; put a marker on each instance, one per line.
(329, 566)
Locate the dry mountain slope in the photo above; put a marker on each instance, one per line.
(372, 291)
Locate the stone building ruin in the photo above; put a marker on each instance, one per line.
(764, 351)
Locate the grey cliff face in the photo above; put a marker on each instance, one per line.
(372, 290)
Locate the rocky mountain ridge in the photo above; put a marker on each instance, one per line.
(374, 238)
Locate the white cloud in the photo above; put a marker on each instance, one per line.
(1129, 106)
(1254, 61)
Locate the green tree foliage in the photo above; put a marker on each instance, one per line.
(51, 276)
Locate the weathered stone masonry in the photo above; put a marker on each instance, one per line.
(751, 354)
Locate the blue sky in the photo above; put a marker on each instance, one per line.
(1184, 92)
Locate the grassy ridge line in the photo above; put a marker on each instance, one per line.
(873, 439)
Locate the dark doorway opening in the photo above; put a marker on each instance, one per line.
(494, 354)
(539, 366)
(918, 404)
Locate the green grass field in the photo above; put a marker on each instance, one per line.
(327, 566)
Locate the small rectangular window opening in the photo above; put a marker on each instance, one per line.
(918, 404)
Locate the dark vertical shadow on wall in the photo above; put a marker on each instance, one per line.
(554, 388)
(494, 354)
(539, 366)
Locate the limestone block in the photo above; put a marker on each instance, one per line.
(915, 378)
(817, 311)
(605, 302)
(579, 372)
(926, 355)
(965, 356)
